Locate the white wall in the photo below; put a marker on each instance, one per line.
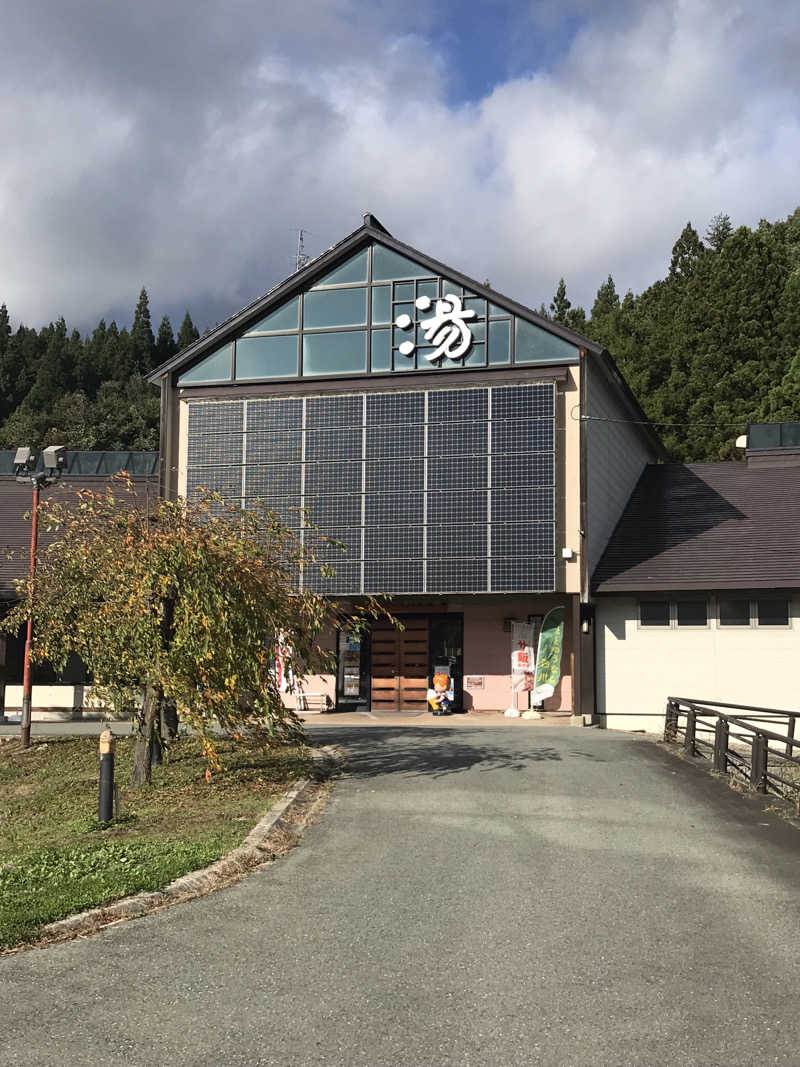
(638, 668)
(616, 454)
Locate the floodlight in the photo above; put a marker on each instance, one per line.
(55, 460)
(25, 459)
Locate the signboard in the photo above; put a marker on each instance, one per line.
(350, 663)
(548, 661)
(474, 681)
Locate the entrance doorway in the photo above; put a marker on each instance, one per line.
(402, 662)
(399, 669)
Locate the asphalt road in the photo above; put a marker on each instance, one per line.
(498, 897)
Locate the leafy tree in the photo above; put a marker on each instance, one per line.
(142, 342)
(126, 416)
(686, 253)
(180, 602)
(560, 304)
(166, 347)
(188, 333)
(718, 231)
(5, 328)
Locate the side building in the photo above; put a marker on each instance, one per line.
(54, 696)
(437, 429)
(698, 591)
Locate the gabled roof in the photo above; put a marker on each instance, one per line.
(371, 230)
(706, 526)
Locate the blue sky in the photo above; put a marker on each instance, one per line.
(177, 145)
(486, 44)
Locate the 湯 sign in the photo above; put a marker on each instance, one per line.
(446, 330)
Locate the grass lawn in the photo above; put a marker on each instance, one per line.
(56, 860)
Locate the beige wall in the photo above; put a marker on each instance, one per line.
(616, 454)
(638, 668)
(568, 482)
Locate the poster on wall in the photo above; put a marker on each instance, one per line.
(350, 661)
(548, 660)
(522, 664)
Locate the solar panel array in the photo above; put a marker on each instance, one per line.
(434, 491)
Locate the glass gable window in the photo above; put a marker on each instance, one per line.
(335, 307)
(284, 318)
(380, 312)
(266, 357)
(534, 345)
(214, 368)
(352, 270)
(335, 353)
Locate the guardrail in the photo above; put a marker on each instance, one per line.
(740, 745)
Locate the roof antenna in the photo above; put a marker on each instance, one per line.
(302, 256)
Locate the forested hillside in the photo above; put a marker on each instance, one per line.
(57, 387)
(713, 345)
(708, 348)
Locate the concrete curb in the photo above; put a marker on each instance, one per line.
(271, 836)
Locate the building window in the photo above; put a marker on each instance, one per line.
(654, 613)
(691, 613)
(734, 612)
(772, 612)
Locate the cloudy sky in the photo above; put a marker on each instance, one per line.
(179, 144)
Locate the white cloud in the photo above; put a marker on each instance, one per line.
(154, 149)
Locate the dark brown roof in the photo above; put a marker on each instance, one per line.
(15, 528)
(706, 526)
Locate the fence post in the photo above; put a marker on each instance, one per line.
(691, 725)
(790, 735)
(721, 729)
(758, 764)
(671, 721)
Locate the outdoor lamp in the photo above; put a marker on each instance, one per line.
(25, 460)
(55, 460)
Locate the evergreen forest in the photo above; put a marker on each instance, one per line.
(713, 345)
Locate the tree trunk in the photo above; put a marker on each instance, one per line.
(140, 772)
(169, 720)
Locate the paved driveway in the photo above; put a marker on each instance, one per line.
(481, 896)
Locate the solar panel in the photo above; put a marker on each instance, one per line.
(438, 490)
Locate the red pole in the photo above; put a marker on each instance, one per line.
(27, 685)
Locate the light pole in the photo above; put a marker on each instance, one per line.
(25, 463)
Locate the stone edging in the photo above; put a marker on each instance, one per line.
(270, 836)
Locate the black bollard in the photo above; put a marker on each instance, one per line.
(105, 807)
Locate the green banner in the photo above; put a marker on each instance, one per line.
(548, 660)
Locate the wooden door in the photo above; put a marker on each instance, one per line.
(399, 674)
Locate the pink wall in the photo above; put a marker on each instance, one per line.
(487, 654)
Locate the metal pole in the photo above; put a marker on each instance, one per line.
(790, 736)
(721, 746)
(758, 764)
(688, 738)
(27, 685)
(105, 805)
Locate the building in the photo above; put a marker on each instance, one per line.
(54, 696)
(698, 592)
(473, 457)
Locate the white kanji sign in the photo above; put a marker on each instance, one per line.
(446, 330)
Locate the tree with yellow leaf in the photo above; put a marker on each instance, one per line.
(180, 604)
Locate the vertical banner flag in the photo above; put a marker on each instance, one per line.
(522, 657)
(548, 661)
